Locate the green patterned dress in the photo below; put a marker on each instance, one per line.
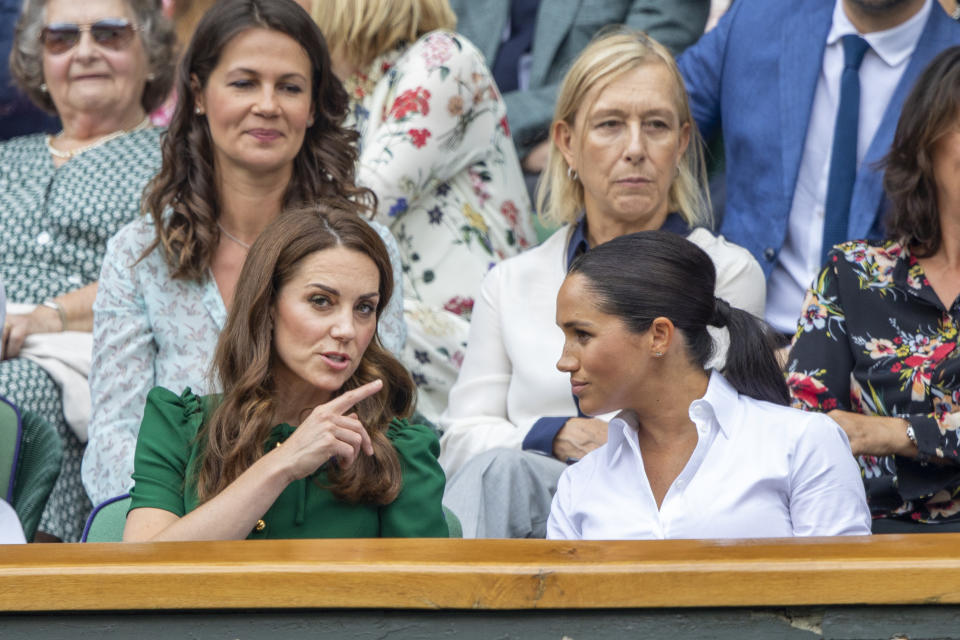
(55, 225)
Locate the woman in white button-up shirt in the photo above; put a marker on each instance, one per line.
(692, 453)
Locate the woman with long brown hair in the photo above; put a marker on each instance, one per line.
(258, 129)
(309, 438)
(876, 342)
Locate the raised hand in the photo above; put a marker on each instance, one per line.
(327, 432)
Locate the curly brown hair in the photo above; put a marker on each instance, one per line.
(245, 359)
(183, 198)
(930, 111)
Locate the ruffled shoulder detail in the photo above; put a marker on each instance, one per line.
(186, 411)
(409, 438)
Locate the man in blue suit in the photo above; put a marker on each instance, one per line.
(769, 78)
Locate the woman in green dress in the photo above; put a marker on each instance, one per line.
(310, 437)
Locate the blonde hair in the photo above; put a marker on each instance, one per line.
(361, 30)
(560, 199)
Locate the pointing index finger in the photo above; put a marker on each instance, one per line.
(341, 403)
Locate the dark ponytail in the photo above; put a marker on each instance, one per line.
(643, 276)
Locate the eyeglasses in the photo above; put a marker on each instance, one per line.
(109, 33)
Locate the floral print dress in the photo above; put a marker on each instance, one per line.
(435, 147)
(874, 338)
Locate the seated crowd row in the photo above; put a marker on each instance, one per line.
(328, 321)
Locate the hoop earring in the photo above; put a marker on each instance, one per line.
(572, 174)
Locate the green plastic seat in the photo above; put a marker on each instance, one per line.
(106, 521)
(37, 469)
(453, 524)
(9, 447)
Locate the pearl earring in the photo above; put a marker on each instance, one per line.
(43, 87)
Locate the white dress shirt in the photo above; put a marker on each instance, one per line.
(509, 377)
(881, 70)
(759, 470)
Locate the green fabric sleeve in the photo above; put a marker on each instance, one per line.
(167, 433)
(417, 511)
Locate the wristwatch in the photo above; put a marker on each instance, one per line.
(61, 312)
(921, 456)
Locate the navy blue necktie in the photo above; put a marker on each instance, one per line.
(523, 19)
(843, 157)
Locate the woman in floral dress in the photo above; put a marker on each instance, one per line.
(876, 345)
(435, 148)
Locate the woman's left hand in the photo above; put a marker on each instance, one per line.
(18, 327)
(875, 435)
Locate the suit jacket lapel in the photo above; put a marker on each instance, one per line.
(554, 18)
(868, 191)
(803, 40)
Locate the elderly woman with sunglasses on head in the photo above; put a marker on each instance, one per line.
(101, 66)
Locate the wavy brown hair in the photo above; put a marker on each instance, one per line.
(929, 112)
(183, 198)
(245, 360)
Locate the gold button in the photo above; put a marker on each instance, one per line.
(261, 525)
(277, 445)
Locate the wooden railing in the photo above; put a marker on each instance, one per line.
(481, 574)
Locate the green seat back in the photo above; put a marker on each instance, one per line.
(453, 524)
(37, 470)
(106, 522)
(9, 444)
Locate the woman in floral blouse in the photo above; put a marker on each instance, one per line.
(435, 148)
(876, 344)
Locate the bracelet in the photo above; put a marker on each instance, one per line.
(56, 306)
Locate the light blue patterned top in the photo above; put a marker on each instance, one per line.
(150, 330)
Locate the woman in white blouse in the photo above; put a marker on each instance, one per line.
(692, 453)
(625, 156)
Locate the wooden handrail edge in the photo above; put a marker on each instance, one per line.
(484, 574)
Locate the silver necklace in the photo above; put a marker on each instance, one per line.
(233, 237)
(67, 155)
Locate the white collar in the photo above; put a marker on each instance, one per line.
(894, 45)
(719, 405)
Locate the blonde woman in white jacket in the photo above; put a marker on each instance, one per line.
(625, 156)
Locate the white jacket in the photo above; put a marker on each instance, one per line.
(509, 378)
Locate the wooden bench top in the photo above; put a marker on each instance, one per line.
(481, 574)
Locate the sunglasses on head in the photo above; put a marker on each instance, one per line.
(110, 33)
